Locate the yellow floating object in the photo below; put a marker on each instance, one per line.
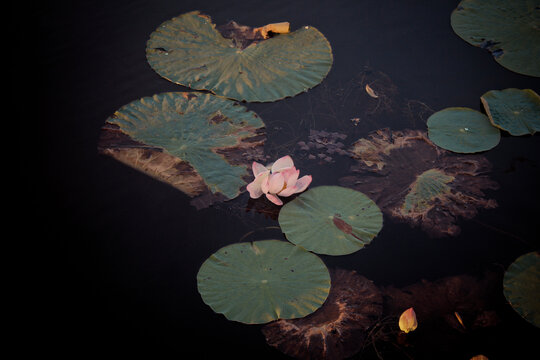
(278, 28)
(459, 319)
(407, 321)
(370, 92)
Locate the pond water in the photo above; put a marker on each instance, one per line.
(128, 248)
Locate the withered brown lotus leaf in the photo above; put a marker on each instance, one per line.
(415, 181)
(199, 143)
(338, 329)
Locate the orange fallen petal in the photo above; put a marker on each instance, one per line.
(278, 28)
(479, 357)
(459, 319)
(407, 321)
(370, 92)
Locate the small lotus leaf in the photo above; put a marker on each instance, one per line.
(429, 186)
(514, 110)
(521, 286)
(331, 220)
(190, 51)
(262, 281)
(189, 140)
(508, 29)
(462, 130)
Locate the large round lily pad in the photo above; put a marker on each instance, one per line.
(514, 110)
(195, 142)
(462, 130)
(331, 220)
(522, 286)
(189, 50)
(510, 30)
(266, 280)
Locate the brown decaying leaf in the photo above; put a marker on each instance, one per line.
(150, 160)
(389, 163)
(162, 166)
(338, 329)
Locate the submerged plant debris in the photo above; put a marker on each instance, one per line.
(323, 145)
(508, 29)
(237, 61)
(333, 115)
(199, 143)
(413, 180)
(353, 110)
(514, 110)
(338, 329)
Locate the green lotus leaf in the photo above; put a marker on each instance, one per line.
(189, 50)
(509, 29)
(331, 220)
(462, 130)
(514, 110)
(192, 141)
(521, 285)
(262, 281)
(430, 185)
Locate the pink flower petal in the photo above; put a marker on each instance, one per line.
(258, 168)
(288, 191)
(290, 175)
(299, 186)
(274, 199)
(265, 184)
(282, 164)
(276, 183)
(255, 187)
(255, 191)
(302, 183)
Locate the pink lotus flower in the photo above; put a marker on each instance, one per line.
(279, 178)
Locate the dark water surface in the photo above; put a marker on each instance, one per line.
(127, 248)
